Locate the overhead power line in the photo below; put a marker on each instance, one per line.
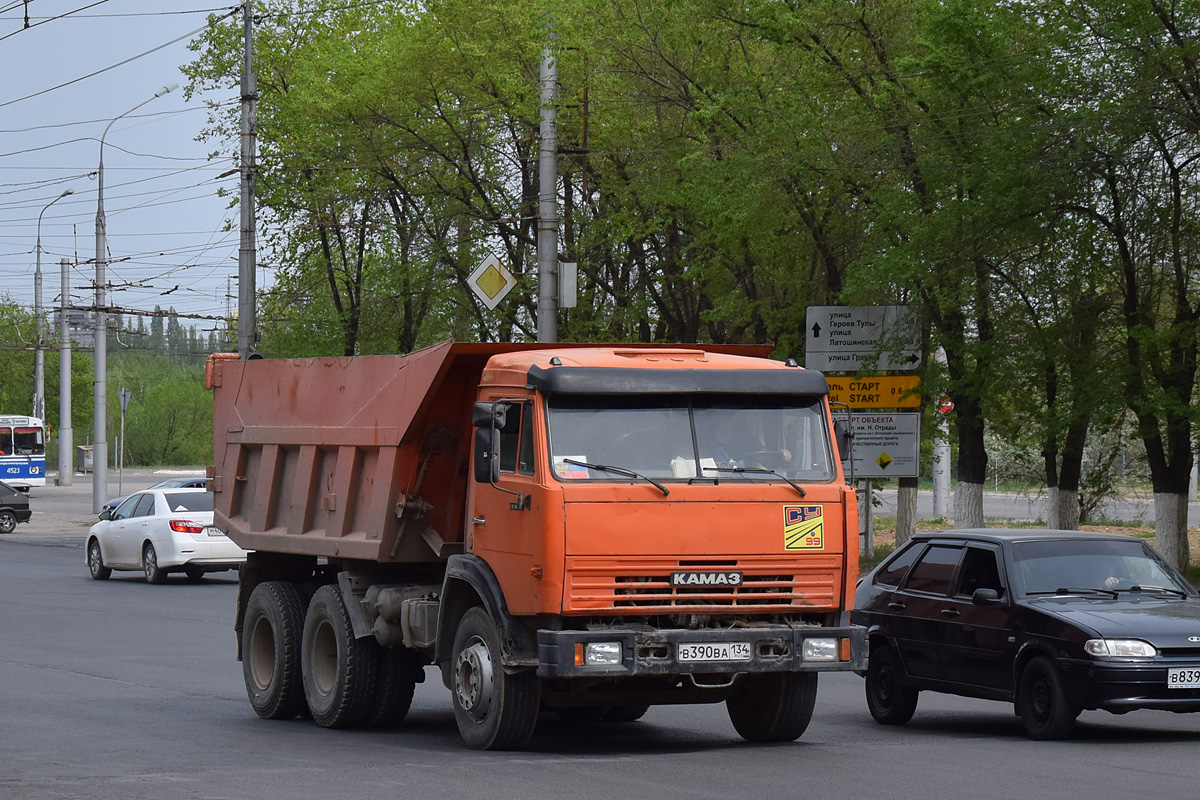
(226, 15)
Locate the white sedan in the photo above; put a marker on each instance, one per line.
(160, 531)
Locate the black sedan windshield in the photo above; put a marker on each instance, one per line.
(1046, 567)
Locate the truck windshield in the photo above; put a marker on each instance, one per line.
(702, 437)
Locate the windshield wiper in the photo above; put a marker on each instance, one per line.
(1069, 590)
(619, 471)
(1162, 589)
(759, 471)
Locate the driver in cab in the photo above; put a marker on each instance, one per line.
(731, 444)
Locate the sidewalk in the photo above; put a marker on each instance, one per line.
(62, 515)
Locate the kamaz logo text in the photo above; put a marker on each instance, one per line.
(706, 579)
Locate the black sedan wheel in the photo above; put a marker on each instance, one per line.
(888, 701)
(1043, 706)
(8, 521)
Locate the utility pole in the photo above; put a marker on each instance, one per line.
(547, 238)
(66, 434)
(247, 315)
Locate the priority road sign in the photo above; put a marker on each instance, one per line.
(491, 281)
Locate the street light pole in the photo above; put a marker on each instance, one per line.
(39, 358)
(99, 402)
(66, 433)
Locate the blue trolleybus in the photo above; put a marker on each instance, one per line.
(22, 451)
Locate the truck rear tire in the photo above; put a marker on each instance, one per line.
(494, 709)
(271, 638)
(772, 706)
(338, 669)
(395, 681)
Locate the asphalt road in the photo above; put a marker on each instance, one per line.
(118, 689)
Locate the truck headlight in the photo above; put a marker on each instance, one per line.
(602, 654)
(820, 650)
(1120, 648)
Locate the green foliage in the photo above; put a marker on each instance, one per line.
(1023, 174)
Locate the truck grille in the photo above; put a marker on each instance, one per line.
(768, 584)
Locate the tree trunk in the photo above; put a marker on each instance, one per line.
(1063, 511)
(972, 465)
(968, 505)
(1170, 528)
(906, 510)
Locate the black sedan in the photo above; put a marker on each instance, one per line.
(1053, 621)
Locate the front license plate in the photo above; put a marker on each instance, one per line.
(724, 651)
(1183, 678)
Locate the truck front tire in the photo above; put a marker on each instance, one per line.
(338, 669)
(772, 706)
(271, 636)
(494, 709)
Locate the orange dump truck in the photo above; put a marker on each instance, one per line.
(587, 530)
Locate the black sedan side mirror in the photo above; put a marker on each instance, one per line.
(985, 597)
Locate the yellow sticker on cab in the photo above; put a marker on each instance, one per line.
(803, 528)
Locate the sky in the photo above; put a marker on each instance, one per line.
(173, 242)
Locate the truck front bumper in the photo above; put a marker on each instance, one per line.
(771, 648)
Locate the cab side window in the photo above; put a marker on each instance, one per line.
(934, 571)
(516, 439)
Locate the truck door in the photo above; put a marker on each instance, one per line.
(505, 524)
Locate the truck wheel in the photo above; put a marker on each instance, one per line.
(888, 701)
(154, 573)
(338, 670)
(8, 521)
(494, 709)
(96, 562)
(271, 636)
(395, 681)
(1043, 705)
(772, 706)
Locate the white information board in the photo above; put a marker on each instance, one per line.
(887, 445)
(853, 338)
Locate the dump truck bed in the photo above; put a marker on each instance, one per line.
(357, 458)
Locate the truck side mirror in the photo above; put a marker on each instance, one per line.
(488, 419)
(841, 430)
(487, 454)
(489, 415)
